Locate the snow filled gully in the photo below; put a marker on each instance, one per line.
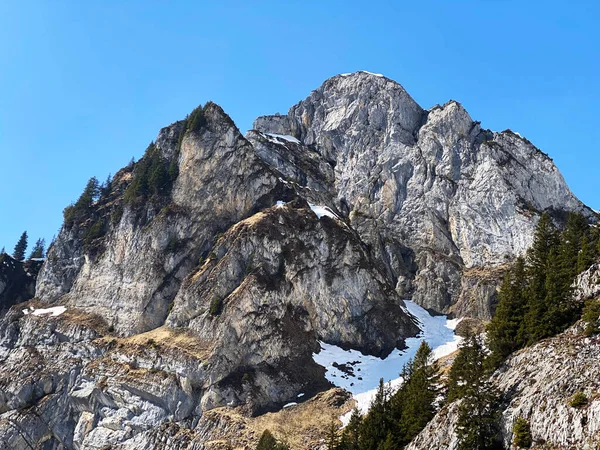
(360, 374)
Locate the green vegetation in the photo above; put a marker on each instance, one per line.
(578, 400)
(268, 442)
(535, 298)
(394, 420)
(196, 120)
(80, 210)
(38, 250)
(216, 306)
(20, 247)
(522, 433)
(151, 178)
(478, 413)
(591, 317)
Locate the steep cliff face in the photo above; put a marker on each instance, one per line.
(539, 383)
(430, 191)
(150, 249)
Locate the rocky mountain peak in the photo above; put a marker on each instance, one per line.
(206, 276)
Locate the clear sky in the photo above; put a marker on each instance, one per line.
(86, 85)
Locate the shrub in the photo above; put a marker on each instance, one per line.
(522, 433)
(578, 400)
(216, 306)
(95, 231)
(590, 315)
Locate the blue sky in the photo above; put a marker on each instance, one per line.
(86, 85)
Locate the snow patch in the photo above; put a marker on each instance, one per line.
(321, 211)
(289, 405)
(53, 311)
(280, 204)
(360, 374)
(371, 73)
(285, 137)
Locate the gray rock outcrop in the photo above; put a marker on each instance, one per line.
(539, 383)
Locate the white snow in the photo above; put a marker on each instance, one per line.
(290, 404)
(371, 73)
(300, 395)
(321, 211)
(53, 311)
(279, 204)
(437, 331)
(38, 259)
(285, 137)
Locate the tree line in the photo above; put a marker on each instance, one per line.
(37, 252)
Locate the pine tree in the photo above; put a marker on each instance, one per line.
(351, 434)
(82, 207)
(545, 240)
(106, 187)
(38, 249)
(21, 247)
(505, 331)
(375, 426)
(584, 258)
(477, 425)
(268, 442)
(522, 433)
(418, 393)
(333, 436)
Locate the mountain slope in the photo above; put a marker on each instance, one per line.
(431, 192)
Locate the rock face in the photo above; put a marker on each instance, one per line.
(431, 191)
(211, 290)
(539, 383)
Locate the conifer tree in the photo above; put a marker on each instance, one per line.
(505, 331)
(351, 434)
(418, 393)
(106, 187)
(545, 240)
(477, 425)
(38, 249)
(333, 436)
(585, 257)
(81, 209)
(20, 247)
(375, 426)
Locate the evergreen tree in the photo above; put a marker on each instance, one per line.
(268, 442)
(505, 331)
(418, 394)
(477, 425)
(351, 434)
(333, 436)
(585, 257)
(376, 425)
(106, 187)
(38, 249)
(545, 240)
(522, 433)
(82, 207)
(21, 247)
